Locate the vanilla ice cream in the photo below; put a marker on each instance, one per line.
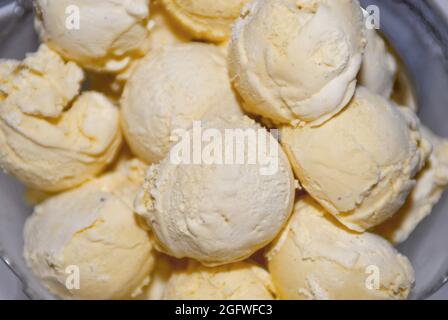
(431, 182)
(91, 232)
(379, 67)
(317, 258)
(102, 35)
(215, 212)
(361, 164)
(164, 31)
(158, 280)
(169, 89)
(403, 92)
(34, 197)
(205, 19)
(297, 61)
(238, 281)
(47, 140)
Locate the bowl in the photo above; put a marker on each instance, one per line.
(417, 32)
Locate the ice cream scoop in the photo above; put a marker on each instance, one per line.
(297, 61)
(204, 19)
(87, 243)
(431, 182)
(102, 35)
(315, 257)
(379, 67)
(169, 89)
(226, 205)
(49, 141)
(238, 281)
(361, 164)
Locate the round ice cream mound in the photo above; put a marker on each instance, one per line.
(110, 33)
(169, 89)
(94, 231)
(315, 257)
(297, 61)
(218, 213)
(361, 164)
(50, 139)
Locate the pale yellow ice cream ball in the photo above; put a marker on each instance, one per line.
(205, 19)
(50, 139)
(431, 183)
(361, 164)
(218, 213)
(110, 34)
(316, 257)
(91, 232)
(237, 281)
(297, 61)
(169, 89)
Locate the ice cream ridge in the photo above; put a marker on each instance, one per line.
(225, 150)
(431, 182)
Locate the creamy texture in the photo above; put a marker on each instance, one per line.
(169, 89)
(297, 61)
(164, 31)
(217, 213)
(34, 197)
(41, 85)
(317, 258)
(48, 140)
(163, 269)
(238, 281)
(93, 228)
(205, 19)
(403, 92)
(431, 182)
(361, 164)
(111, 33)
(379, 67)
